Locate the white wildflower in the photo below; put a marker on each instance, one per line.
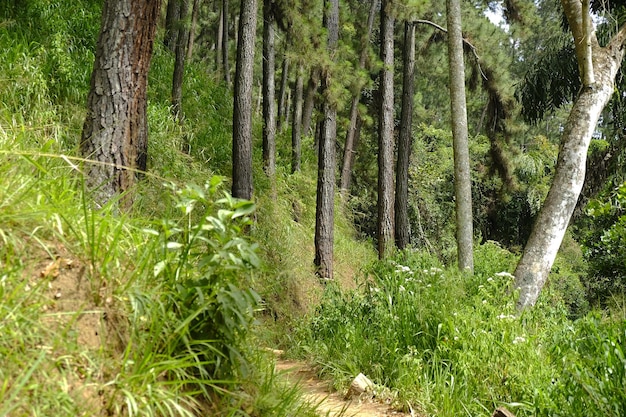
(504, 274)
(519, 339)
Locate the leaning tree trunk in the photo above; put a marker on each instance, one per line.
(325, 204)
(458, 108)
(115, 133)
(269, 112)
(385, 135)
(598, 68)
(242, 111)
(402, 224)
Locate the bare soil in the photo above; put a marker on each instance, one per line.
(333, 404)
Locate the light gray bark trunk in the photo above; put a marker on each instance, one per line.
(242, 111)
(549, 228)
(598, 80)
(402, 224)
(462, 179)
(386, 135)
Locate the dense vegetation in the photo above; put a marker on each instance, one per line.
(165, 309)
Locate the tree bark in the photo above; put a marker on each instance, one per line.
(192, 30)
(458, 108)
(296, 136)
(551, 223)
(179, 63)
(309, 100)
(219, 44)
(402, 224)
(225, 63)
(171, 19)
(386, 135)
(242, 112)
(282, 96)
(349, 148)
(115, 132)
(269, 109)
(325, 205)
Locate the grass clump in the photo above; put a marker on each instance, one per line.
(444, 342)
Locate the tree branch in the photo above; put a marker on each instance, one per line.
(465, 41)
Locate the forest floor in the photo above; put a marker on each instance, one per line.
(329, 402)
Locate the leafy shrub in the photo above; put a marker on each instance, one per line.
(206, 308)
(604, 246)
(593, 380)
(446, 342)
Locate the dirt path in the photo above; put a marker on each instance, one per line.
(331, 403)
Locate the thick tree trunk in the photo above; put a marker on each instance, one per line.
(386, 135)
(549, 228)
(402, 224)
(349, 148)
(225, 63)
(242, 111)
(309, 100)
(282, 96)
(115, 133)
(269, 109)
(179, 64)
(458, 108)
(325, 205)
(296, 136)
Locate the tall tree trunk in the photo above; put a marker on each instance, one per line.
(386, 134)
(179, 64)
(402, 224)
(225, 63)
(192, 30)
(171, 28)
(551, 223)
(242, 112)
(349, 148)
(282, 96)
(115, 132)
(458, 108)
(269, 112)
(296, 136)
(309, 100)
(325, 207)
(219, 44)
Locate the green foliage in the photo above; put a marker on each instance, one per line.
(593, 379)
(603, 245)
(445, 343)
(206, 259)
